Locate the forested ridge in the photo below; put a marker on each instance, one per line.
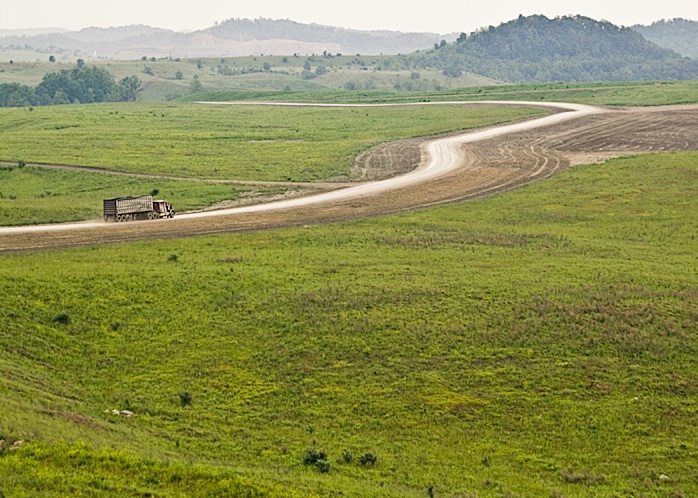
(680, 35)
(571, 48)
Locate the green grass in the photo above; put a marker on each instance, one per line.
(32, 195)
(614, 94)
(538, 343)
(241, 143)
(194, 141)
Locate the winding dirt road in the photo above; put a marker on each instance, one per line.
(451, 168)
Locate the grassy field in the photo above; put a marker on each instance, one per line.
(613, 94)
(285, 74)
(240, 143)
(538, 343)
(195, 141)
(32, 195)
(348, 79)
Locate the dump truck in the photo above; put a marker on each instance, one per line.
(136, 208)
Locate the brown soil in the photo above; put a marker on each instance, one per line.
(492, 166)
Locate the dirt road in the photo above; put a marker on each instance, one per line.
(453, 168)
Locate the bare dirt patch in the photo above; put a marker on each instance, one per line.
(388, 160)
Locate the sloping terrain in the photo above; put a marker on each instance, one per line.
(679, 35)
(571, 48)
(235, 37)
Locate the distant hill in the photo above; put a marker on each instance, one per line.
(235, 37)
(572, 48)
(348, 41)
(31, 32)
(680, 35)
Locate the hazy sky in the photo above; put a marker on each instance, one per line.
(441, 16)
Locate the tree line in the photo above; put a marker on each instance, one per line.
(80, 85)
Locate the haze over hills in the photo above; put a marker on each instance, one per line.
(235, 37)
(31, 32)
(570, 48)
(526, 49)
(680, 35)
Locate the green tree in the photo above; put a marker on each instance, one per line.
(195, 86)
(52, 58)
(128, 88)
(179, 75)
(16, 95)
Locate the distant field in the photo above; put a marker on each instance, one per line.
(538, 343)
(347, 78)
(285, 74)
(613, 94)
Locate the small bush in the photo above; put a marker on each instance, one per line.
(21, 163)
(63, 318)
(317, 459)
(173, 258)
(347, 456)
(368, 459)
(185, 398)
(312, 456)
(154, 192)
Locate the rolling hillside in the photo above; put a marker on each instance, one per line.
(235, 37)
(576, 48)
(679, 35)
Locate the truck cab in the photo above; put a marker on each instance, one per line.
(163, 209)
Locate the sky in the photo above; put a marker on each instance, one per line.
(437, 16)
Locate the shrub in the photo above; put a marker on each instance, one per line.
(317, 459)
(185, 398)
(347, 456)
(368, 459)
(173, 258)
(63, 318)
(312, 456)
